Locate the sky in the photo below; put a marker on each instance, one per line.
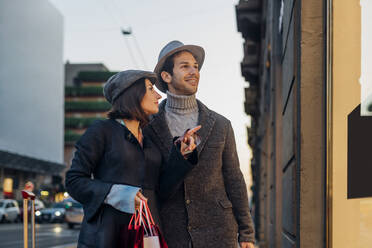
(92, 33)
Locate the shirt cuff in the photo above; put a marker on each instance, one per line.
(122, 197)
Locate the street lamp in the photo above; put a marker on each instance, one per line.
(128, 32)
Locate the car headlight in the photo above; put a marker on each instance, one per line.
(37, 213)
(57, 213)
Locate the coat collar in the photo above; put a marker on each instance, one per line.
(206, 119)
(129, 136)
(160, 127)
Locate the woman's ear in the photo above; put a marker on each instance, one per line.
(166, 76)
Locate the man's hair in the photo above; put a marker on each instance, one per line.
(128, 104)
(168, 67)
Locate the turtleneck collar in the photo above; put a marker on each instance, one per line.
(181, 104)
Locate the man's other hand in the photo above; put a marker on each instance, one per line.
(246, 245)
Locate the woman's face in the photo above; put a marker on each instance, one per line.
(149, 101)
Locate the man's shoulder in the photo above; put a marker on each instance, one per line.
(219, 118)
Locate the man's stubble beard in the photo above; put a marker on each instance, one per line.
(181, 89)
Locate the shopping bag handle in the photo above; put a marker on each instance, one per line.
(136, 217)
(143, 217)
(148, 220)
(139, 216)
(148, 214)
(141, 211)
(154, 229)
(143, 220)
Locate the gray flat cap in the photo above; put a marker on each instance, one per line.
(170, 49)
(121, 81)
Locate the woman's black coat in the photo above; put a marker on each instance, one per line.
(109, 154)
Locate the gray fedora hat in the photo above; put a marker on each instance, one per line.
(170, 49)
(121, 81)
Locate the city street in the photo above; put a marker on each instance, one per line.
(47, 235)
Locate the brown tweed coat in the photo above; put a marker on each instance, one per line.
(211, 208)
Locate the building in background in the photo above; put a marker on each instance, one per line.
(349, 159)
(31, 96)
(73, 69)
(308, 65)
(284, 65)
(84, 102)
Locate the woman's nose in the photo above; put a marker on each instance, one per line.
(158, 96)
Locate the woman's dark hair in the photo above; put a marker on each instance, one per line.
(128, 104)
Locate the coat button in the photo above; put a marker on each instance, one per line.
(189, 228)
(188, 201)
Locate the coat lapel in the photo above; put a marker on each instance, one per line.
(160, 127)
(206, 120)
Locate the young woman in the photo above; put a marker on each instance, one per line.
(114, 166)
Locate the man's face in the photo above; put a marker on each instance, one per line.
(185, 78)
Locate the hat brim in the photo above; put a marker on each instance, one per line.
(198, 53)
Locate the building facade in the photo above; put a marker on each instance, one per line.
(309, 94)
(73, 69)
(284, 65)
(349, 105)
(31, 94)
(84, 102)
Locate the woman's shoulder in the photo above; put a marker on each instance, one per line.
(102, 122)
(99, 130)
(103, 125)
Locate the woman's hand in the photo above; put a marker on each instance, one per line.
(137, 200)
(189, 141)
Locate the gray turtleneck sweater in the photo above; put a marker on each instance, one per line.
(181, 113)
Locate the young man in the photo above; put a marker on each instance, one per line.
(211, 208)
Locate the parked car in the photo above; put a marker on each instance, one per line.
(74, 213)
(9, 210)
(54, 214)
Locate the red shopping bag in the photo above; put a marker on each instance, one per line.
(142, 232)
(152, 236)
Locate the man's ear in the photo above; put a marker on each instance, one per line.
(166, 76)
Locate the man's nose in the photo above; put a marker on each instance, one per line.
(194, 70)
